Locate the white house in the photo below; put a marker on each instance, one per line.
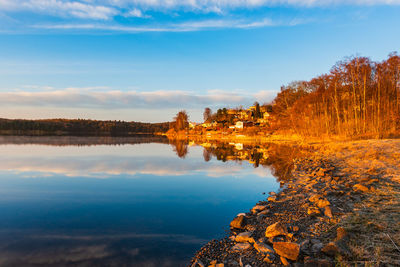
(239, 125)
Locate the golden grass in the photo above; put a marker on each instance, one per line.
(374, 226)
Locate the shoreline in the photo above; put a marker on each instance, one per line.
(324, 215)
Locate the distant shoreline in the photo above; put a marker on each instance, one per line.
(78, 134)
(79, 127)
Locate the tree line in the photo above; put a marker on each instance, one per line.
(79, 127)
(357, 98)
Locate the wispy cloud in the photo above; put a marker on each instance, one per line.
(173, 27)
(107, 9)
(79, 9)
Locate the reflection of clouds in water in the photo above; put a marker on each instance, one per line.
(98, 250)
(262, 171)
(103, 166)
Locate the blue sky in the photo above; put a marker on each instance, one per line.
(144, 60)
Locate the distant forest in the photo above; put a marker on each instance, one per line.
(79, 127)
(357, 98)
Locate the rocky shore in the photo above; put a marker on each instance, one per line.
(336, 200)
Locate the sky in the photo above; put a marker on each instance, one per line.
(144, 60)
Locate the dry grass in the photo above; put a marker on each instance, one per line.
(374, 226)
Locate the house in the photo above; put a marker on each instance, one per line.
(239, 125)
(239, 146)
(244, 114)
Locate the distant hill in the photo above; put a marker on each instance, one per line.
(79, 127)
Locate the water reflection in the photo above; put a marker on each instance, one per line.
(150, 207)
(277, 157)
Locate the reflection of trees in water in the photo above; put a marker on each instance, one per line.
(207, 155)
(180, 147)
(278, 158)
(82, 140)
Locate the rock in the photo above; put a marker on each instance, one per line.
(198, 263)
(263, 248)
(244, 237)
(240, 246)
(304, 246)
(250, 227)
(313, 211)
(360, 187)
(322, 203)
(340, 233)
(275, 230)
(284, 261)
(264, 212)
(330, 249)
(239, 222)
(219, 265)
(335, 248)
(321, 172)
(272, 199)
(310, 262)
(328, 212)
(316, 248)
(258, 208)
(315, 198)
(372, 181)
(288, 250)
(269, 258)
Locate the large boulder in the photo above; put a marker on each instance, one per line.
(288, 250)
(276, 229)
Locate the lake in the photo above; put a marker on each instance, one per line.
(103, 201)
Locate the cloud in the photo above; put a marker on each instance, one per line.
(136, 13)
(83, 10)
(110, 161)
(173, 27)
(107, 9)
(103, 98)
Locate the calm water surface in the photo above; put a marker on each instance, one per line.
(90, 202)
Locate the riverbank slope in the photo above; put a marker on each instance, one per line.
(340, 206)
